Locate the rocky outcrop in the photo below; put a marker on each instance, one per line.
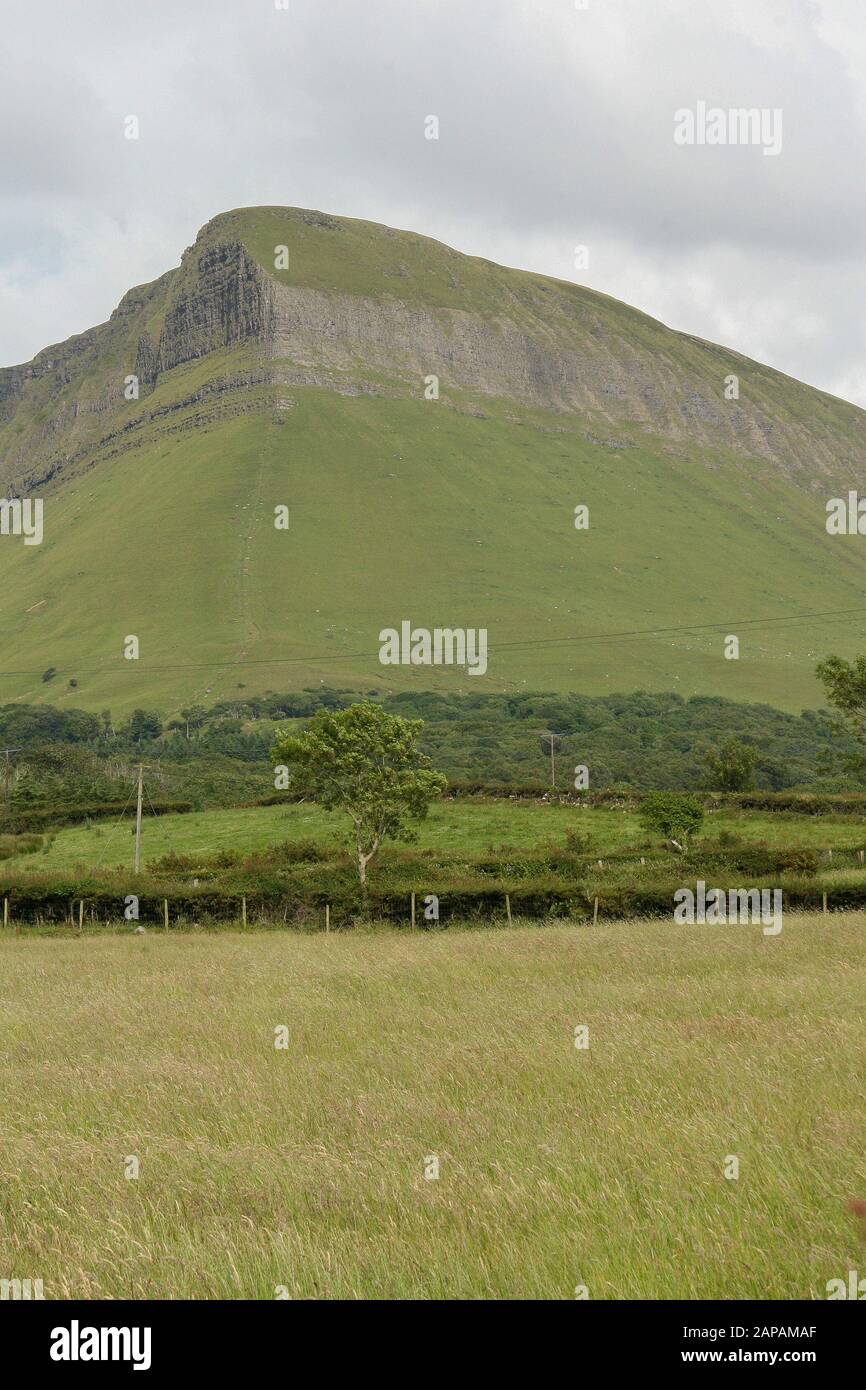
(555, 363)
(70, 400)
(220, 301)
(147, 361)
(538, 343)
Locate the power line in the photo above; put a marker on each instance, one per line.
(733, 624)
(114, 828)
(831, 614)
(137, 859)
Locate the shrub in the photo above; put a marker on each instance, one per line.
(578, 841)
(672, 815)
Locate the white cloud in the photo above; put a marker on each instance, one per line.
(556, 129)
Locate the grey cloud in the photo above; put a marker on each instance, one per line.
(557, 128)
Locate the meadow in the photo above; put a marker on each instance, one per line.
(300, 1172)
(472, 826)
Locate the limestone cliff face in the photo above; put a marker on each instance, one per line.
(565, 359)
(487, 333)
(69, 401)
(558, 366)
(218, 301)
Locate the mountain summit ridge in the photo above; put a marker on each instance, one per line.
(362, 307)
(431, 423)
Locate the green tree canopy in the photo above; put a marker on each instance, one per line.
(674, 816)
(144, 725)
(732, 768)
(844, 684)
(365, 762)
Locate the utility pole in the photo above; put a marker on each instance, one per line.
(138, 819)
(552, 737)
(7, 771)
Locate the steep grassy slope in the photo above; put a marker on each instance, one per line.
(305, 388)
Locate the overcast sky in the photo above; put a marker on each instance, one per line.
(556, 130)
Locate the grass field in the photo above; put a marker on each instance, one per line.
(470, 825)
(304, 1168)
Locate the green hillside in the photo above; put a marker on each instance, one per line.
(306, 388)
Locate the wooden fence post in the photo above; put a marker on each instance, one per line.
(165, 912)
(595, 913)
(80, 913)
(413, 911)
(5, 912)
(508, 907)
(327, 917)
(824, 895)
(244, 911)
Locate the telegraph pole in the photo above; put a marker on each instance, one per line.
(7, 771)
(138, 818)
(552, 737)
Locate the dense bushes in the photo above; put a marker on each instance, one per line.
(293, 882)
(802, 803)
(756, 860)
(32, 904)
(19, 820)
(483, 743)
(624, 799)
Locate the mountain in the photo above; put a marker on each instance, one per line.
(306, 387)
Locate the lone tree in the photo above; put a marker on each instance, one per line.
(365, 762)
(844, 685)
(672, 815)
(732, 768)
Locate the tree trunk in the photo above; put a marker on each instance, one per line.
(363, 860)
